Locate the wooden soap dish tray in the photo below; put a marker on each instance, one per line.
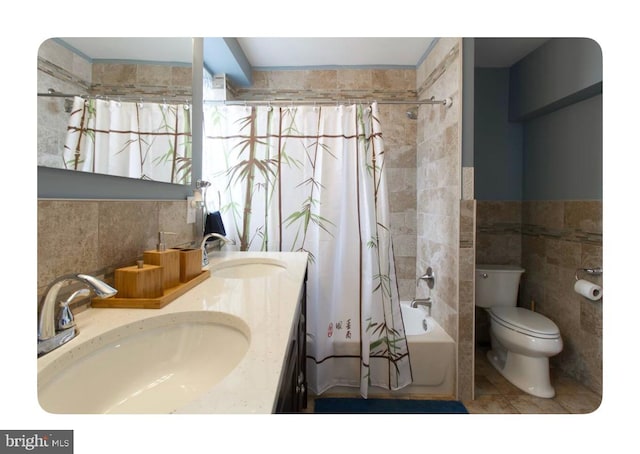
(151, 303)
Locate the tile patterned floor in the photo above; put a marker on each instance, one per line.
(495, 395)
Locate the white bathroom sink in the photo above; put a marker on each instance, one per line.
(248, 268)
(154, 365)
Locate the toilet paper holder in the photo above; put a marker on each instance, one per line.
(589, 271)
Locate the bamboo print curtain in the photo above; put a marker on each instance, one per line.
(149, 141)
(312, 179)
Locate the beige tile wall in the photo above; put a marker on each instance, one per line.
(498, 242)
(96, 237)
(142, 79)
(550, 240)
(65, 72)
(559, 237)
(439, 180)
(445, 223)
(466, 302)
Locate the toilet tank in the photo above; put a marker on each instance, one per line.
(497, 285)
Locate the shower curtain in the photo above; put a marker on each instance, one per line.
(149, 141)
(311, 178)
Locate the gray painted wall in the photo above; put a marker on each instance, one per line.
(563, 153)
(468, 99)
(561, 72)
(497, 142)
(556, 95)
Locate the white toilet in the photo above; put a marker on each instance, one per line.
(522, 341)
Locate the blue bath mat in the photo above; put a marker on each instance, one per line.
(357, 405)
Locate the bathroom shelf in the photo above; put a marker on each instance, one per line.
(169, 295)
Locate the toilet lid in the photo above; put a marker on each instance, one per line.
(525, 321)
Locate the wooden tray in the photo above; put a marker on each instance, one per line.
(151, 303)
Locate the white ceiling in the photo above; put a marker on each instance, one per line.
(266, 52)
(301, 52)
(141, 49)
(293, 52)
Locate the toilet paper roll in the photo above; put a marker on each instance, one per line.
(588, 289)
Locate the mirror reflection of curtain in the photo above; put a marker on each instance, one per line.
(149, 141)
(312, 178)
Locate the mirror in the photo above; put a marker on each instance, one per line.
(117, 106)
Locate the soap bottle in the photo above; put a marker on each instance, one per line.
(168, 259)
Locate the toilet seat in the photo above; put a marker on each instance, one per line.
(525, 321)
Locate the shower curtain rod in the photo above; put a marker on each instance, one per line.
(120, 97)
(445, 102)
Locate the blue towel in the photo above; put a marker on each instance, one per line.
(214, 224)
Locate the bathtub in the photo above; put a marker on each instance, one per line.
(432, 353)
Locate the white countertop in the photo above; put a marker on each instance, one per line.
(266, 304)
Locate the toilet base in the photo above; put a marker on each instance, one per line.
(530, 374)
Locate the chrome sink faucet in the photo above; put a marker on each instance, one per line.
(203, 245)
(54, 332)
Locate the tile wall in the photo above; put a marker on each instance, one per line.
(466, 299)
(439, 180)
(445, 231)
(498, 241)
(96, 237)
(166, 81)
(550, 240)
(65, 72)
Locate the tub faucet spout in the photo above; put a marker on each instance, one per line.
(424, 302)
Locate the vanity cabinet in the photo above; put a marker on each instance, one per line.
(292, 393)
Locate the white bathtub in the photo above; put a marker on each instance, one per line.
(432, 355)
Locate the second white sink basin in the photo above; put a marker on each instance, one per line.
(154, 365)
(247, 268)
